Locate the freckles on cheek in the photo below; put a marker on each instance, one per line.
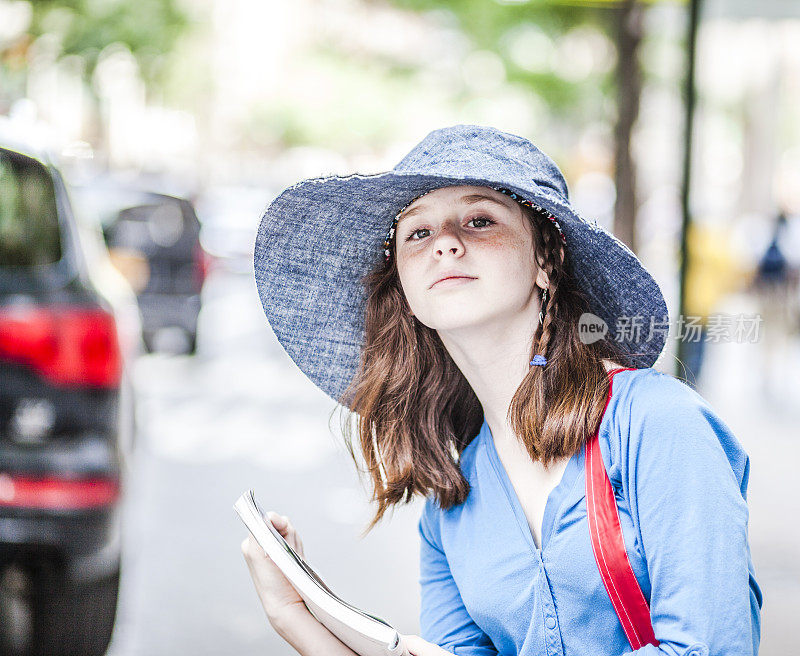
(501, 242)
(508, 244)
(514, 253)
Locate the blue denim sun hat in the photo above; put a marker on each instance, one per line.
(319, 237)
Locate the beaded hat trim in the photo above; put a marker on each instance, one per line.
(387, 242)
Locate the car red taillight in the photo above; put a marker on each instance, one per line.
(202, 264)
(57, 493)
(68, 346)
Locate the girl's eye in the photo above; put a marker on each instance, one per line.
(482, 218)
(411, 236)
(483, 221)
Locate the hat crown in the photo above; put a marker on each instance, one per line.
(476, 151)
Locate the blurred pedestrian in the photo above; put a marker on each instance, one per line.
(776, 287)
(459, 307)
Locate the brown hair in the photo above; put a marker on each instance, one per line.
(415, 412)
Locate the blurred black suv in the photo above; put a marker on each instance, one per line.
(63, 385)
(156, 243)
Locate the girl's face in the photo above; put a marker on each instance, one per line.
(482, 237)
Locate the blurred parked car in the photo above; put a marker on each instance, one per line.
(154, 240)
(67, 334)
(157, 246)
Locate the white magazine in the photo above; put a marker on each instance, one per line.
(365, 634)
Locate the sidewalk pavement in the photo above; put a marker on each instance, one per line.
(760, 401)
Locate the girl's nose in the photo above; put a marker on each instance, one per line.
(448, 239)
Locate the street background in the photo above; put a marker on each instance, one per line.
(227, 102)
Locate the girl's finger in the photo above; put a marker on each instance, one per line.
(251, 549)
(247, 546)
(282, 523)
(276, 519)
(296, 544)
(419, 647)
(285, 528)
(293, 538)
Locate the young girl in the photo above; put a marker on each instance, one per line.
(496, 351)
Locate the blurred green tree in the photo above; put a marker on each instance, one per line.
(84, 29)
(611, 97)
(494, 26)
(148, 28)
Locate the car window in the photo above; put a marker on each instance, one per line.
(29, 228)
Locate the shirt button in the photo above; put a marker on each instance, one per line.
(551, 623)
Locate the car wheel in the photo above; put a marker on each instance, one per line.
(147, 341)
(15, 609)
(71, 619)
(191, 347)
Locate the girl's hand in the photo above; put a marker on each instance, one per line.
(276, 593)
(419, 647)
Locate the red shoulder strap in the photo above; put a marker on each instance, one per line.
(609, 547)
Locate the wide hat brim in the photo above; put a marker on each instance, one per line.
(319, 237)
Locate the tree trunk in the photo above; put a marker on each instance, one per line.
(629, 90)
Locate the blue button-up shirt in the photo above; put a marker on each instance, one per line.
(680, 481)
